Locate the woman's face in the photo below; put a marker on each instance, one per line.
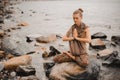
(77, 19)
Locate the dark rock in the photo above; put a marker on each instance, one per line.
(8, 30)
(99, 35)
(116, 39)
(47, 68)
(58, 36)
(113, 44)
(33, 12)
(1, 19)
(31, 52)
(1, 5)
(45, 54)
(11, 7)
(113, 60)
(8, 17)
(22, 12)
(53, 51)
(18, 28)
(47, 72)
(97, 44)
(28, 40)
(25, 70)
(9, 12)
(13, 28)
(48, 65)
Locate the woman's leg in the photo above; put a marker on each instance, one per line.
(62, 58)
(70, 55)
(82, 60)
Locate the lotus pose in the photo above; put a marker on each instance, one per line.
(78, 35)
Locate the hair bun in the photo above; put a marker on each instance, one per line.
(80, 10)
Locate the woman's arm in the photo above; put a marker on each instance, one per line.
(86, 39)
(65, 38)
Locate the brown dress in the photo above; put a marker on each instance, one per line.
(77, 48)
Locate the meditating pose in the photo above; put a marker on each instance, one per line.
(78, 35)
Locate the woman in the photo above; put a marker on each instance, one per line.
(78, 35)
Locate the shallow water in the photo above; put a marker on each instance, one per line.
(56, 16)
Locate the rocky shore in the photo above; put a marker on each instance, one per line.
(26, 51)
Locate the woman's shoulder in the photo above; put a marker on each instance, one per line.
(73, 26)
(84, 26)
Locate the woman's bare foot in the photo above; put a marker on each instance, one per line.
(68, 54)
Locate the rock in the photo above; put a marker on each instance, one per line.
(28, 40)
(2, 33)
(1, 5)
(45, 54)
(113, 60)
(29, 78)
(47, 72)
(25, 70)
(53, 51)
(13, 74)
(47, 68)
(1, 12)
(23, 24)
(31, 52)
(0, 43)
(13, 28)
(13, 63)
(99, 35)
(60, 71)
(8, 30)
(113, 44)
(116, 39)
(9, 56)
(1, 66)
(48, 65)
(71, 71)
(22, 12)
(1, 19)
(2, 54)
(33, 12)
(97, 44)
(8, 17)
(104, 53)
(59, 36)
(37, 44)
(9, 11)
(46, 38)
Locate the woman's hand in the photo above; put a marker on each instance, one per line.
(75, 34)
(65, 38)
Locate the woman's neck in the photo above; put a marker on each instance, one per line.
(78, 24)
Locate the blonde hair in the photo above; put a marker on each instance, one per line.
(79, 11)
